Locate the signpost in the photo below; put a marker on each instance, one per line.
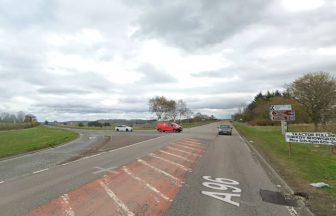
(283, 113)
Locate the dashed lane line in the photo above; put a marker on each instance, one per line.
(175, 155)
(170, 162)
(119, 202)
(148, 186)
(66, 205)
(177, 180)
(176, 149)
(40, 171)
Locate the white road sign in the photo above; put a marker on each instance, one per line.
(281, 107)
(311, 138)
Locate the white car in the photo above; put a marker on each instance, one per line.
(124, 128)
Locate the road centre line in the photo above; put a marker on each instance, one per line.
(67, 207)
(119, 202)
(178, 181)
(171, 162)
(175, 155)
(91, 156)
(176, 149)
(150, 187)
(187, 147)
(40, 170)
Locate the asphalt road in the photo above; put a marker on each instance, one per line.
(152, 177)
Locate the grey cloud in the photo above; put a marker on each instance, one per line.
(194, 25)
(152, 75)
(219, 102)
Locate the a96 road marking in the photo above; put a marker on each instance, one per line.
(222, 184)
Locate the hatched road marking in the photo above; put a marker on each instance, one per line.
(120, 203)
(187, 147)
(152, 182)
(176, 149)
(178, 181)
(171, 162)
(150, 187)
(66, 205)
(175, 155)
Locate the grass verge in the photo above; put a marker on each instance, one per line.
(307, 164)
(26, 140)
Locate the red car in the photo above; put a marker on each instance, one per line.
(168, 126)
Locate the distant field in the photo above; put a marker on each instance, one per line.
(26, 140)
(307, 164)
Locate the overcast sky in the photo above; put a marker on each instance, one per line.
(86, 60)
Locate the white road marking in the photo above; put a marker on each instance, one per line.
(187, 147)
(67, 207)
(2, 182)
(40, 171)
(91, 156)
(190, 145)
(176, 149)
(292, 211)
(177, 180)
(222, 184)
(119, 202)
(150, 187)
(100, 170)
(192, 142)
(175, 155)
(171, 162)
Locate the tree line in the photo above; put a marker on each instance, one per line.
(313, 97)
(18, 120)
(19, 117)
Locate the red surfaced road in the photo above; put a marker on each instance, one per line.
(144, 187)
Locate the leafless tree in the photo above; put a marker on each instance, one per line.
(317, 93)
(181, 108)
(158, 105)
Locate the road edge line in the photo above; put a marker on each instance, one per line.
(274, 173)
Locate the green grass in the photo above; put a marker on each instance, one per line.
(26, 140)
(307, 163)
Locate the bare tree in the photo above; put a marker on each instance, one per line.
(158, 105)
(317, 93)
(181, 108)
(170, 111)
